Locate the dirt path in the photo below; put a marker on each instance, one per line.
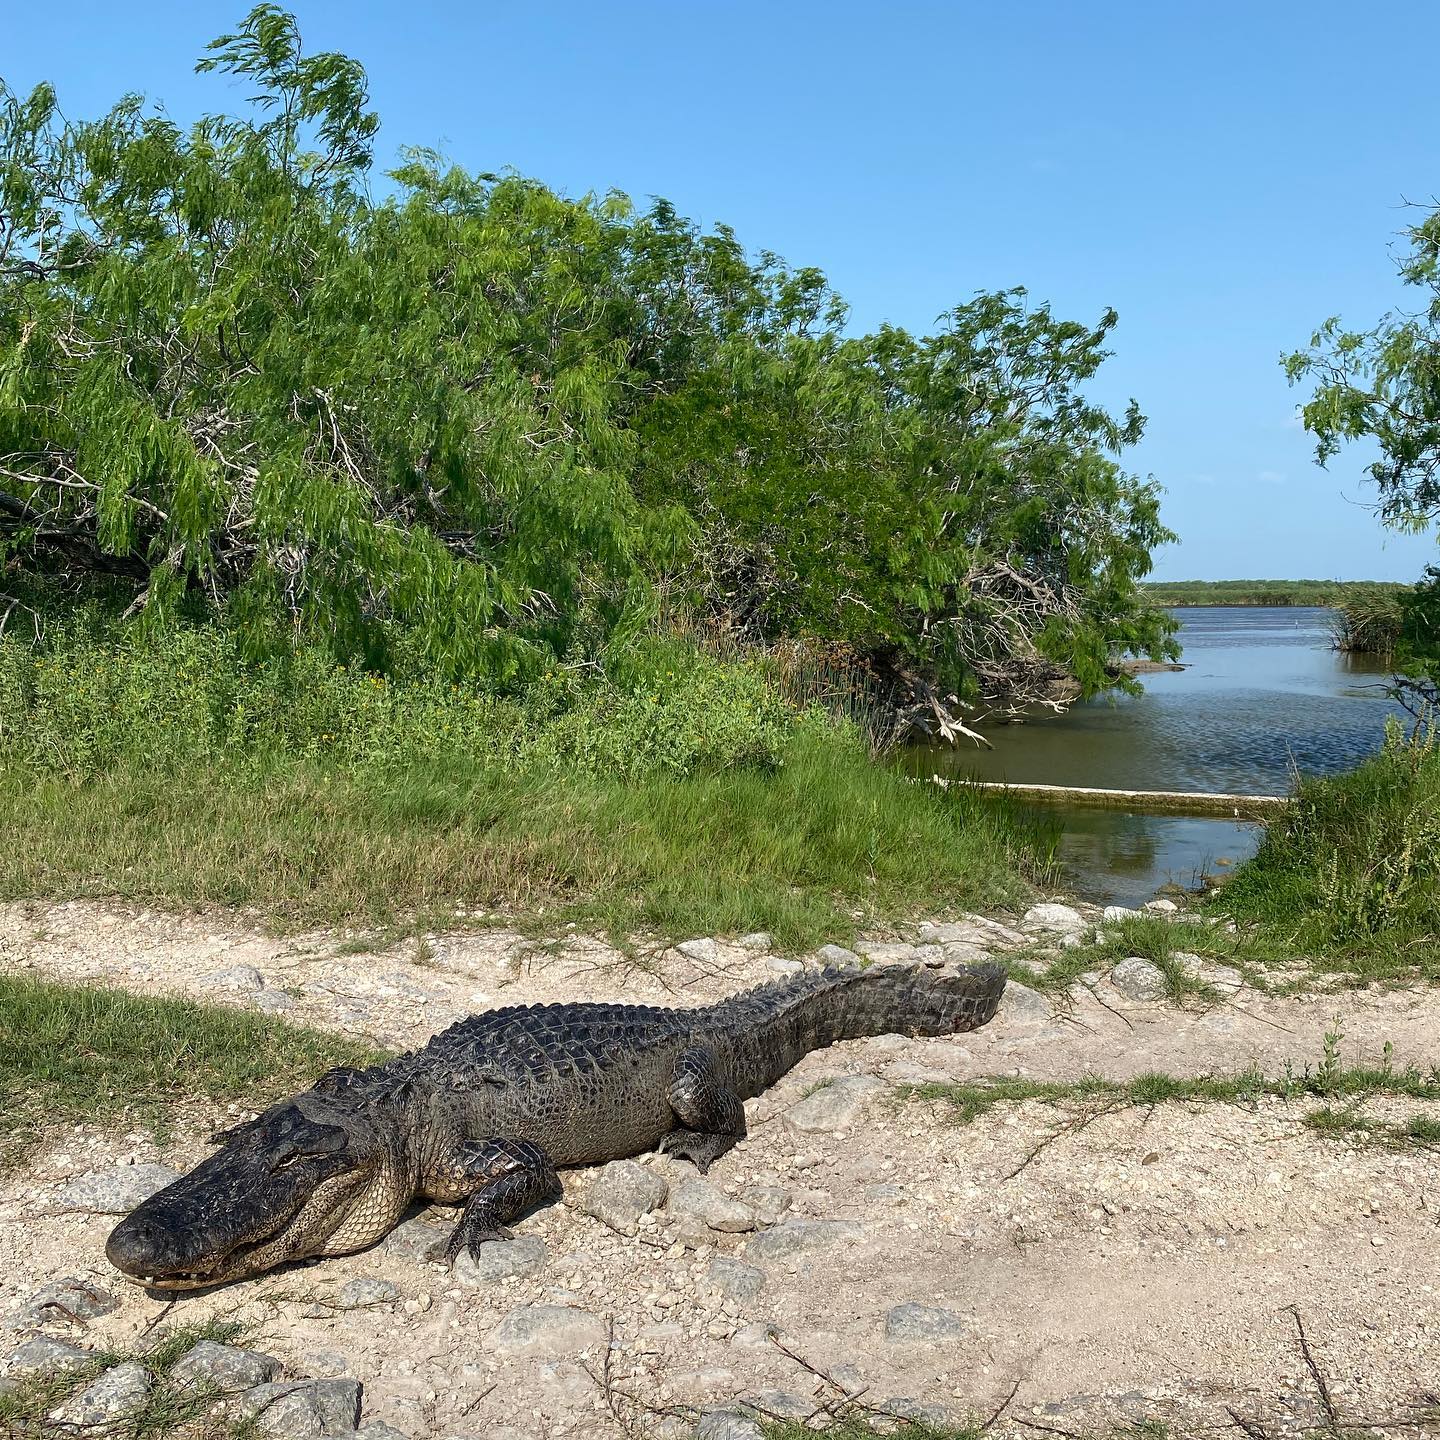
(1152, 1262)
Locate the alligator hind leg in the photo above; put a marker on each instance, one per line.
(711, 1114)
(500, 1180)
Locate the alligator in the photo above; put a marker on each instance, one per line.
(485, 1113)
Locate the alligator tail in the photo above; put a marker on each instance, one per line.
(914, 1000)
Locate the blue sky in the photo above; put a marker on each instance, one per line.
(1225, 175)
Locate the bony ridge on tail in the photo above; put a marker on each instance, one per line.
(485, 1113)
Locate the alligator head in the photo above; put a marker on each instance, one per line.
(308, 1177)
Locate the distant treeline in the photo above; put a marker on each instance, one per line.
(1269, 592)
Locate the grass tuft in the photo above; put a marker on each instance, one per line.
(72, 1053)
(167, 1410)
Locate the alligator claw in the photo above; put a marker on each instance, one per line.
(446, 1252)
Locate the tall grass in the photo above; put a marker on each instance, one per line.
(1368, 624)
(1352, 868)
(684, 794)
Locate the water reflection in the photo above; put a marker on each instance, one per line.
(1263, 698)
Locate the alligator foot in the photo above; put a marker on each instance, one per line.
(504, 1178)
(711, 1114)
(699, 1147)
(473, 1231)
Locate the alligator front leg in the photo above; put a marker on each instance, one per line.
(499, 1180)
(711, 1114)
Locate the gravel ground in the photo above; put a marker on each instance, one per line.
(1151, 1262)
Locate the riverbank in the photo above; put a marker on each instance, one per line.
(899, 1234)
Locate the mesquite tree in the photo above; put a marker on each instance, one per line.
(475, 421)
(1383, 386)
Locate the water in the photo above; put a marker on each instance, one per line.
(1264, 697)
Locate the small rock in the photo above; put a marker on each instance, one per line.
(704, 950)
(110, 1397)
(1023, 1006)
(755, 940)
(547, 1330)
(974, 930)
(913, 1321)
(226, 1367)
(836, 955)
(500, 1260)
(1053, 917)
(920, 1411)
(414, 1239)
(881, 1193)
(1137, 979)
(1161, 907)
(1223, 978)
(325, 1363)
(836, 1106)
(379, 1430)
(621, 1193)
(1115, 913)
(44, 1356)
(782, 966)
(722, 1425)
(112, 1192)
(235, 977)
(711, 1206)
(756, 1336)
(272, 1002)
(365, 1291)
(907, 1072)
(885, 952)
(799, 1237)
(779, 1404)
(734, 1279)
(769, 1202)
(297, 1410)
(67, 1301)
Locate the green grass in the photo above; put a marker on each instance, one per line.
(826, 841)
(74, 1053)
(1153, 939)
(1348, 876)
(1266, 592)
(682, 795)
(167, 1410)
(1338, 1085)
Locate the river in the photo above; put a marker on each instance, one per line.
(1263, 698)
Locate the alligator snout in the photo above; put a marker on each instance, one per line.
(143, 1246)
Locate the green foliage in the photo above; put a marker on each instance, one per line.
(93, 694)
(469, 425)
(969, 1100)
(1370, 624)
(1354, 862)
(1383, 386)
